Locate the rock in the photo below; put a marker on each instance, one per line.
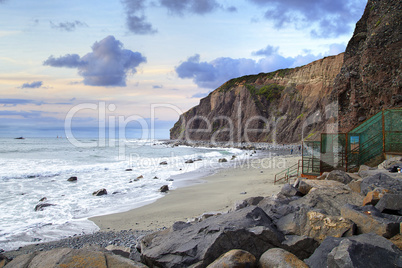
(339, 175)
(72, 179)
(67, 257)
(319, 226)
(163, 163)
(381, 180)
(397, 240)
(40, 207)
(305, 185)
(330, 200)
(235, 258)
(100, 192)
(190, 161)
(387, 164)
(43, 199)
(233, 157)
(280, 258)
(364, 168)
(323, 176)
(353, 252)
(3, 260)
(129, 169)
(389, 202)
(289, 191)
(369, 220)
(301, 246)
(249, 229)
(164, 189)
(119, 250)
(140, 177)
(374, 196)
(355, 186)
(156, 178)
(222, 160)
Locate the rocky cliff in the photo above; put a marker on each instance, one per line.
(370, 78)
(331, 94)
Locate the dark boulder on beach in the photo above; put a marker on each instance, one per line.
(163, 163)
(40, 207)
(72, 179)
(43, 199)
(222, 160)
(248, 229)
(164, 189)
(190, 161)
(100, 192)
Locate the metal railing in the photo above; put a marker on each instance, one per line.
(287, 174)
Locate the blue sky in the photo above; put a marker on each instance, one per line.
(132, 54)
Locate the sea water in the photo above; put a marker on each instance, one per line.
(36, 168)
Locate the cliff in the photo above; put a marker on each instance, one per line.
(370, 78)
(327, 95)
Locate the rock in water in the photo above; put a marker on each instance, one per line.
(164, 189)
(72, 179)
(222, 160)
(40, 207)
(249, 229)
(100, 192)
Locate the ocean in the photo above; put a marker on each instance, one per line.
(35, 169)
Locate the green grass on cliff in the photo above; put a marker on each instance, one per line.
(270, 92)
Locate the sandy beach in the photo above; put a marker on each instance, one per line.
(218, 192)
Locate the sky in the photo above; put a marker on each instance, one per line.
(132, 64)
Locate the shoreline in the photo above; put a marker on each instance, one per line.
(218, 194)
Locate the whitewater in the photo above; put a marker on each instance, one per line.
(35, 169)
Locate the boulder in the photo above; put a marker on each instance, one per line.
(390, 202)
(163, 163)
(222, 160)
(140, 177)
(100, 192)
(235, 258)
(129, 169)
(289, 191)
(387, 164)
(374, 196)
(190, 161)
(40, 207)
(72, 179)
(249, 229)
(319, 226)
(43, 199)
(369, 220)
(301, 246)
(367, 250)
(156, 178)
(3, 260)
(280, 258)
(305, 185)
(339, 175)
(164, 189)
(355, 186)
(330, 200)
(397, 240)
(381, 180)
(67, 257)
(323, 176)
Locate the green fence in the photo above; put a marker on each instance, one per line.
(380, 134)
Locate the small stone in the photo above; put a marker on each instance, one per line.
(72, 179)
(40, 207)
(100, 192)
(42, 199)
(163, 163)
(164, 189)
(222, 160)
(140, 177)
(129, 169)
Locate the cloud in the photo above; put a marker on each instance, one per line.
(36, 84)
(232, 9)
(68, 26)
(107, 64)
(24, 114)
(15, 102)
(135, 18)
(157, 86)
(268, 51)
(216, 72)
(322, 18)
(190, 6)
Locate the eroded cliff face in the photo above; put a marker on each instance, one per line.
(264, 107)
(329, 95)
(370, 78)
